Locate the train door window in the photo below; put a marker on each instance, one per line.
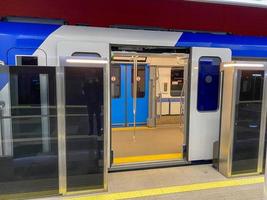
(115, 81)
(208, 84)
(27, 60)
(141, 82)
(177, 81)
(87, 54)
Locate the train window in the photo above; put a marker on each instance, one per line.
(87, 54)
(208, 84)
(27, 60)
(141, 82)
(177, 81)
(115, 81)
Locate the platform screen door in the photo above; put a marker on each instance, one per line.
(81, 95)
(28, 132)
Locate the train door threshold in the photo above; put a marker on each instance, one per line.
(146, 165)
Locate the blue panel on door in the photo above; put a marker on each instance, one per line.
(208, 84)
(142, 95)
(118, 101)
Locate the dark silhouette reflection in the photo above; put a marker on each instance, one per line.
(84, 127)
(93, 92)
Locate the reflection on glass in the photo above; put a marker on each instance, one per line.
(251, 85)
(177, 81)
(29, 157)
(115, 81)
(248, 122)
(84, 127)
(141, 81)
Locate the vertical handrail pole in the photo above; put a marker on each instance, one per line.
(134, 92)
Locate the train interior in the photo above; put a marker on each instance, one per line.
(147, 105)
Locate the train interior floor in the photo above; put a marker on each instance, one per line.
(196, 182)
(131, 146)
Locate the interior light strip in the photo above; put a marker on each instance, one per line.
(244, 65)
(86, 61)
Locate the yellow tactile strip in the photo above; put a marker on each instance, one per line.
(147, 158)
(174, 189)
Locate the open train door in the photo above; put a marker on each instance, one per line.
(203, 120)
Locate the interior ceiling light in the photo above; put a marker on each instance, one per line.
(129, 58)
(243, 65)
(257, 75)
(86, 61)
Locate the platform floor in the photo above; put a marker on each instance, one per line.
(165, 142)
(198, 182)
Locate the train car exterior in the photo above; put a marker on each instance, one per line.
(48, 43)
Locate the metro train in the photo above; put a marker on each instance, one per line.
(38, 44)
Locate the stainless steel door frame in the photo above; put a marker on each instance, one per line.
(5, 70)
(227, 136)
(60, 85)
(70, 61)
(7, 146)
(263, 123)
(237, 75)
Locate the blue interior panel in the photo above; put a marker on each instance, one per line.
(118, 105)
(122, 107)
(141, 103)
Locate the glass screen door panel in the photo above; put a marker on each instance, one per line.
(28, 132)
(248, 122)
(84, 128)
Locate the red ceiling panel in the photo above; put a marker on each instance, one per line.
(174, 14)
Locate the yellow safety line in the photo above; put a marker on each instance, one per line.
(134, 159)
(132, 128)
(174, 189)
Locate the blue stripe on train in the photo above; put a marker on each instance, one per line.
(21, 38)
(241, 46)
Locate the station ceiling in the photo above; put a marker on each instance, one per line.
(168, 14)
